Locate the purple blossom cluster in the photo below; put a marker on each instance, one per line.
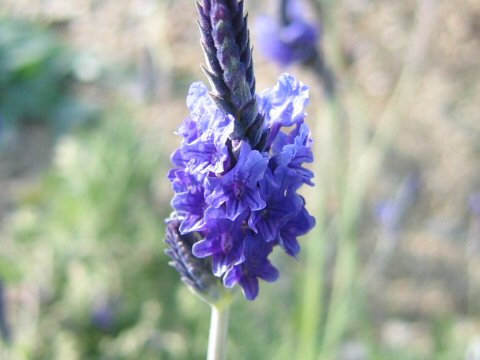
(290, 38)
(241, 200)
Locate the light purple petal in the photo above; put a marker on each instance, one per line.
(232, 276)
(205, 248)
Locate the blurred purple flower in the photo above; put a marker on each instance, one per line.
(391, 213)
(473, 238)
(474, 203)
(102, 316)
(290, 39)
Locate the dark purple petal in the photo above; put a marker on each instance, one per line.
(252, 166)
(302, 223)
(289, 243)
(268, 273)
(294, 155)
(254, 200)
(250, 287)
(223, 261)
(238, 189)
(187, 202)
(267, 226)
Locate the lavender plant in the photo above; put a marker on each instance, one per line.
(237, 172)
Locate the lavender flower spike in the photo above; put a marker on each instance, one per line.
(239, 167)
(226, 44)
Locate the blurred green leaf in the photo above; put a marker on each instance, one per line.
(36, 77)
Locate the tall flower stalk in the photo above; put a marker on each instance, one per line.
(237, 172)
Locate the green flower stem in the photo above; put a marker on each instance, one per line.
(313, 287)
(327, 172)
(340, 313)
(217, 338)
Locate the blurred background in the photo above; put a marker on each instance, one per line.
(91, 92)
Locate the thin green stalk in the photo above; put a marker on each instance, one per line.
(328, 156)
(329, 166)
(217, 338)
(340, 304)
(313, 287)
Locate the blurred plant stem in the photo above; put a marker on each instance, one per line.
(313, 286)
(5, 335)
(346, 163)
(472, 250)
(217, 338)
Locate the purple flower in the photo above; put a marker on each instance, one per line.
(205, 134)
(474, 203)
(238, 190)
(256, 266)
(391, 212)
(301, 224)
(281, 204)
(295, 153)
(224, 242)
(190, 206)
(233, 203)
(285, 103)
(240, 164)
(103, 315)
(288, 40)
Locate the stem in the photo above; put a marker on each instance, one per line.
(328, 156)
(217, 338)
(313, 287)
(4, 326)
(339, 312)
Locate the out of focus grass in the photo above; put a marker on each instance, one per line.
(87, 244)
(36, 79)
